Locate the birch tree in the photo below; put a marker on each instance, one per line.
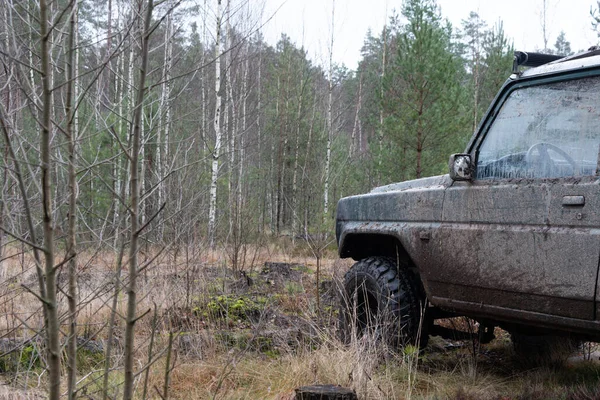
(329, 117)
(299, 115)
(216, 151)
(357, 127)
(164, 125)
(71, 135)
(544, 25)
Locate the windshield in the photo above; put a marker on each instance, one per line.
(545, 131)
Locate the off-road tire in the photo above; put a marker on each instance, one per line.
(382, 299)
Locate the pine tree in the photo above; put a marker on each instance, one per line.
(473, 30)
(562, 45)
(497, 63)
(424, 98)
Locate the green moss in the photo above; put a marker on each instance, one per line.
(293, 288)
(88, 360)
(27, 358)
(301, 268)
(273, 354)
(235, 307)
(93, 383)
(247, 340)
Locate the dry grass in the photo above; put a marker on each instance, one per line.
(273, 342)
(251, 376)
(373, 376)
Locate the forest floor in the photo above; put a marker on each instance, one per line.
(261, 333)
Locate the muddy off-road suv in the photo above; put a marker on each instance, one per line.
(510, 237)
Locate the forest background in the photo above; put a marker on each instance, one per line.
(127, 128)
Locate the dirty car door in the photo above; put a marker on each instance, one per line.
(523, 236)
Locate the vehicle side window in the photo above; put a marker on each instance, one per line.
(545, 131)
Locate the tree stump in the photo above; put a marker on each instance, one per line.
(325, 392)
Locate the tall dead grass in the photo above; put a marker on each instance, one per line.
(208, 364)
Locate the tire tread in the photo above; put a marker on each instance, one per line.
(399, 286)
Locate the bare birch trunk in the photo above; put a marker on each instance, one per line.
(259, 135)
(242, 144)
(144, 164)
(218, 135)
(273, 204)
(72, 239)
(296, 154)
(281, 183)
(203, 83)
(383, 68)
(76, 75)
(281, 147)
(544, 21)
(31, 69)
(58, 172)
(162, 144)
(230, 122)
(167, 138)
(119, 96)
(306, 157)
(329, 118)
(134, 210)
(356, 127)
(128, 111)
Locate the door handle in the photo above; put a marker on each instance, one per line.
(573, 200)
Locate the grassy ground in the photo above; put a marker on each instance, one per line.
(259, 335)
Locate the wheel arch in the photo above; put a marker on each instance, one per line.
(363, 245)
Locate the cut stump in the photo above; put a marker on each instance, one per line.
(325, 392)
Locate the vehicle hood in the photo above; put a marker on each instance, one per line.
(419, 199)
(423, 183)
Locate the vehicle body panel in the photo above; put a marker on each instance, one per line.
(513, 256)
